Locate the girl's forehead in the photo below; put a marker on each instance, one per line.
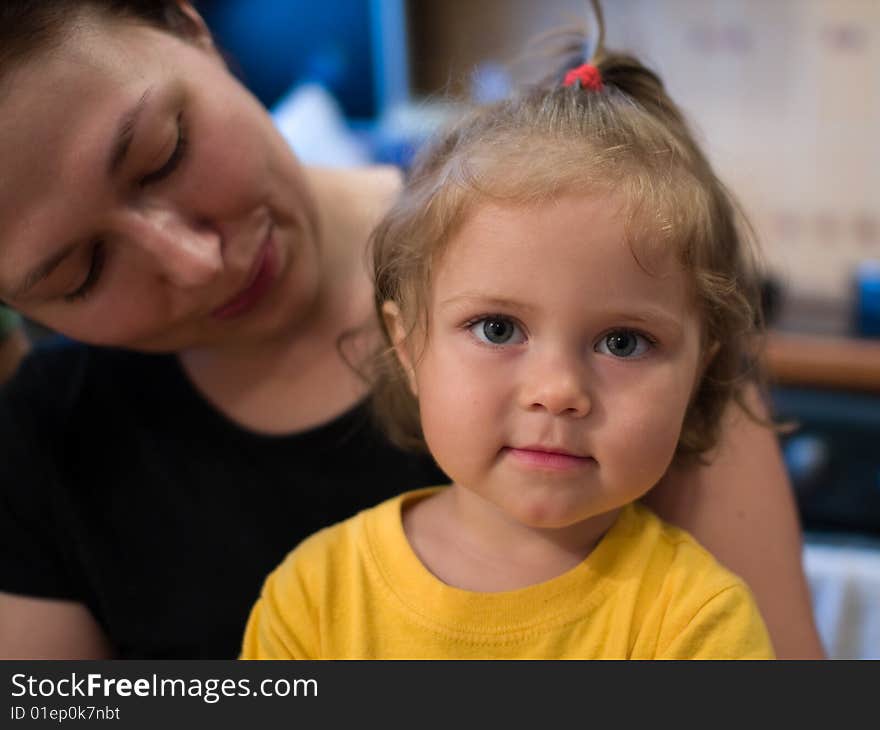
(583, 214)
(567, 237)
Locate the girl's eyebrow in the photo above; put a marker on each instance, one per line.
(643, 314)
(488, 301)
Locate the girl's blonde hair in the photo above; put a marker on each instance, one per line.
(628, 138)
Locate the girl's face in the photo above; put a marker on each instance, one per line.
(556, 373)
(146, 199)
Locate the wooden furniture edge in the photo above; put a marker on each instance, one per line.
(822, 361)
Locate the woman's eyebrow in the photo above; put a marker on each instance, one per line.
(121, 142)
(41, 271)
(125, 133)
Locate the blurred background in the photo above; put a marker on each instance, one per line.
(784, 95)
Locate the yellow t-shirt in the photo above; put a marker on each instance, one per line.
(358, 591)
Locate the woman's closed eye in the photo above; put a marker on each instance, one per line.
(624, 343)
(174, 159)
(97, 251)
(496, 330)
(97, 257)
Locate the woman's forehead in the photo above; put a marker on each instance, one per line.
(91, 47)
(55, 98)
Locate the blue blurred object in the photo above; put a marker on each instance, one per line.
(356, 49)
(832, 457)
(807, 459)
(490, 82)
(388, 150)
(867, 299)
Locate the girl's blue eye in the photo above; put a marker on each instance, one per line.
(497, 331)
(623, 344)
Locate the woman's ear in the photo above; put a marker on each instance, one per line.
(397, 333)
(197, 31)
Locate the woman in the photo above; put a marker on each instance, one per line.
(153, 477)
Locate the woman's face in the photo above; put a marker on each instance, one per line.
(146, 199)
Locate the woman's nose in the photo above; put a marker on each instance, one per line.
(186, 253)
(558, 385)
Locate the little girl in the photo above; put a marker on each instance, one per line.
(569, 305)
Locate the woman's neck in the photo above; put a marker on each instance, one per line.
(303, 375)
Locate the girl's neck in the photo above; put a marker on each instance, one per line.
(469, 543)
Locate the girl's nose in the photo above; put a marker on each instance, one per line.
(186, 253)
(559, 387)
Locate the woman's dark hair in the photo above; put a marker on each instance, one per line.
(29, 27)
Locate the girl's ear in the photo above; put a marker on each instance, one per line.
(708, 357)
(397, 333)
(705, 361)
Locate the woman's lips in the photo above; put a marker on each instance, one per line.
(537, 458)
(265, 271)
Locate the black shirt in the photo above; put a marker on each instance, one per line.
(121, 488)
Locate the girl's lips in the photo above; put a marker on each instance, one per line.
(549, 460)
(265, 271)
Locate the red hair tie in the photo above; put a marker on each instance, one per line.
(588, 76)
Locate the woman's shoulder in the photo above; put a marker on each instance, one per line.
(342, 550)
(47, 372)
(59, 372)
(359, 196)
(371, 181)
(62, 407)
